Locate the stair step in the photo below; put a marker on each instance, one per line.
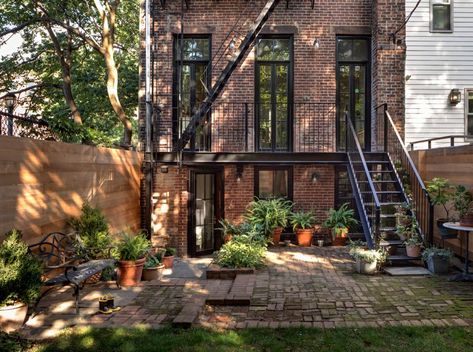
(187, 316)
(375, 171)
(386, 243)
(408, 271)
(384, 192)
(401, 258)
(384, 204)
(373, 162)
(379, 181)
(383, 216)
(387, 229)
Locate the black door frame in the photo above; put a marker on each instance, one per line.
(368, 86)
(290, 94)
(219, 208)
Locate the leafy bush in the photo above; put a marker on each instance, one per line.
(238, 254)
(462, 201)
(93, 233)
(269, 214)
(368, 255)
(302, 220)
(133, 247)
(440, 193)
(20, 271)
(445, 254)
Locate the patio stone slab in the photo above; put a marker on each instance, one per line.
(407, 271)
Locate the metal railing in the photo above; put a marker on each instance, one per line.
(450, 138)
(365, 192)
(391, 142)
(25, 127)
(230, 127)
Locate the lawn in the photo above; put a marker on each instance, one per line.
(367, 339)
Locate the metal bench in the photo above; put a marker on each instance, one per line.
(57, 251)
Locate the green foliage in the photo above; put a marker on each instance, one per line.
(341, 218)
(20, 271)
(252, 235)
(368, 255)
(302, 220)
(133, 247)
(169, 252)
(415, 240)
(269, 214)
(152, 262)
(462, 200)
(238, 254)
(228, 228)
(93, 233)
(440, 192)
(431, 252)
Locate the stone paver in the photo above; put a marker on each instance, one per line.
(312, 287)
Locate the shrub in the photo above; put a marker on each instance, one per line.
(269, 214)
(133, 247)
(368, 255)
(445, 254)
(20, 271)
(93, 233)
(238, 254)
(302, 220)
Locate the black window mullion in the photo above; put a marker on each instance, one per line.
(273, 107)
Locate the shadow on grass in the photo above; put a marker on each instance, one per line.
(366, 339)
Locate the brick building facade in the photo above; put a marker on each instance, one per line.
(310, 58)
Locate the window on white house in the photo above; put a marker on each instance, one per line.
(469, 113)
(441, 15)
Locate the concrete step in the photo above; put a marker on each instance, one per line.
(407, 271)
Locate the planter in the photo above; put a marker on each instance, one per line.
(156, 273)
(168, 261)
(467, 220)
(12, 317)
(304, 237)
(363, 267)
(277, 235)
(129, 271)
(413, 251)
(320, 243)
(438, 265)
(440, 223)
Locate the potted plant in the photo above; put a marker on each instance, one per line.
(403, 215)
(153, 268)
(228, 229)
(132, 255)
(413, 246)
(271, 215)
(20, 281)
(340, 222)
(440, 193)
(303, 223)
(437, 259)
(463, 203)
(168, 258)
(367, 260)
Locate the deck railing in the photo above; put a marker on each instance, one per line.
(451, 139)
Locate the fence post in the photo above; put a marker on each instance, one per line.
(246, 127)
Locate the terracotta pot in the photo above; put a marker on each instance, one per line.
(304, 237)
(156, 273)
(467, 220)
(277, 235)
(413, 251)
(339, 241)
(129, 271)
(12, 317)
(168, 261)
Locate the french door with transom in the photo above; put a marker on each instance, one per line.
(353, 89)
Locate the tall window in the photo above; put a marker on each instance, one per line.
(469, 113)
(192, 79)
(273, 93)
(273, 182)
(441, 15)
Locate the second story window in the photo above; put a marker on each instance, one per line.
(441, 16)
(189, 86)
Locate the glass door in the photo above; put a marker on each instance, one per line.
(353, 87)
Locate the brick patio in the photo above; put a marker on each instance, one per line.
(312, 287)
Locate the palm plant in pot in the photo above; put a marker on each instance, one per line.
(303, 225)
(437, 259)
(20, 281)
(271, 215)
(340, 222)
(153, 268)
(440, 194)
(168, 258)
(463, 203)
(132, 252)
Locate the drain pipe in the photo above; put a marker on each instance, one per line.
(148, 155)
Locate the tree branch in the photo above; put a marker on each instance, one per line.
(17, 28)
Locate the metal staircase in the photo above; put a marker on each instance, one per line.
(225, 75)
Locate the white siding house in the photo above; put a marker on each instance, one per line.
(436, 63)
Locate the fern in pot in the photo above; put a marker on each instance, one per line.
(303, 225)
(153, 268)
(20, 281)
(437, 259)
(168, 257)
(339, 221)
(132, 252)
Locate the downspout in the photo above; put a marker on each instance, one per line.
(148, 156)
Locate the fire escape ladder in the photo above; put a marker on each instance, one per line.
(225, 75)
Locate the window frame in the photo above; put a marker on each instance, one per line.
(468, 137)
(290, 178)
(431, 9)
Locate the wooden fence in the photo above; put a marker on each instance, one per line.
(452, 163)
(43, 184)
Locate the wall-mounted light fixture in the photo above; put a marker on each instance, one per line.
(164, 169)
(239, 172)
(316, 43)
(315, 177)
(455, 96)
(10, 100)
(232, 44)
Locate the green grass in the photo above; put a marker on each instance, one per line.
(368, 339)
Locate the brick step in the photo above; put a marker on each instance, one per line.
(239, 294)
(187, 316)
